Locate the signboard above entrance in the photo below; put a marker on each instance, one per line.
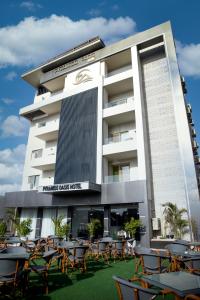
(70, 187)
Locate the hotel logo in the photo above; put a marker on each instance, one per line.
(83, 76)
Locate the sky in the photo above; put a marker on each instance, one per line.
(33, 31)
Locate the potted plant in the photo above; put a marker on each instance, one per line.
(61, 230)
(24, 228)
(93, 226)
(131, 226)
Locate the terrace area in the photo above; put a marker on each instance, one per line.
(92, 277)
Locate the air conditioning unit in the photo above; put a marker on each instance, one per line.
(156, 223)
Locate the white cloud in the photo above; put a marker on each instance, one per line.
(11, 75)
(4, 188)
(13, 156)
(10, 173)
(14, 126)
(11, 168)
(34, 40)
(7, 101)
(30, 5)
(189, 59)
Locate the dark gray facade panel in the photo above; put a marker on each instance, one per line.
(27, 199)
(35, 199)
(77, 141)
(124, 192)
(116, 193)
(77, 199)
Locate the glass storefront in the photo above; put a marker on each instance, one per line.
(119, 215)
(82, 216)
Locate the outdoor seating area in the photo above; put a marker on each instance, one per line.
(104, 269)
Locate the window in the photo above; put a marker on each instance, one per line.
(42, 124)
(36, 153)
(33, 181)
(121, 215)
(121, 172)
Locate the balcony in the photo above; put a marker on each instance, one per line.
(118, 75)
(120, 146)
(50, 105)
(48, 130)
(193, 132)
(189, 108)
(116, 178)
(118, 107)
(197, 160)
(118, 102)
(47, 161)
(120, 137)
(195, 145)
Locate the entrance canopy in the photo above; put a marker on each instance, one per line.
(65, 188)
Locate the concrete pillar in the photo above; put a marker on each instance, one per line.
(106, 231)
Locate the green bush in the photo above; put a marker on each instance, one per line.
(93, 226)
(131, 226)
(24, 227)
(61, 230)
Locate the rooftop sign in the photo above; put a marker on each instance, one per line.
(67, 67)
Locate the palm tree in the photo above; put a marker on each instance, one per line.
(174, 219)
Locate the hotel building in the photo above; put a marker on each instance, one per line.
(111, 137)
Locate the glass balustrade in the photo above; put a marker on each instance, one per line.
(117, 178)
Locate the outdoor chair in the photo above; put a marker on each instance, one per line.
(30, 246)
(78, 258)
(176, 248)
(11, 274)
(101, 249)
(107, 239)
(181, 242)
(191, 264)
(138, 251)
(42, 269)
(129, 291)
(118, 250)
(152, 264)
(15, 250)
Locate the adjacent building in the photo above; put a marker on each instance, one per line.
(111, 137)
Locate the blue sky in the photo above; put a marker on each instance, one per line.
(33, 31)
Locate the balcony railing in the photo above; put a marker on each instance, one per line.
(118, 138)
(118, 102)
(117, 178)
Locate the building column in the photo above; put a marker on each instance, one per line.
(69, 218)
(144, 168)
(106, 231)
(38, 229)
